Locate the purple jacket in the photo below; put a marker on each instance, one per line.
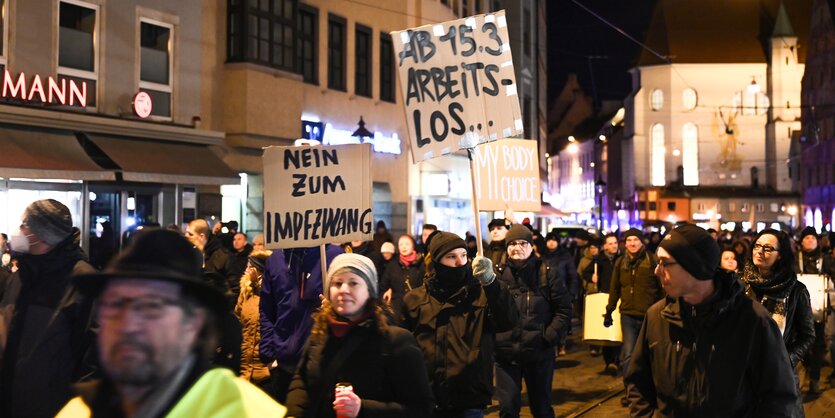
(290, 293)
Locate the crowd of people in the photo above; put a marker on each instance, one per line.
(203, 322)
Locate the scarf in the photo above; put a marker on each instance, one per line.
(774, 289)
(340, 327)
(408, 260)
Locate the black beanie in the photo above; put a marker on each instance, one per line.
(519, 232)
(633, 232)
(495, 223)
(444, 242)
(809, 230)
(694, 249)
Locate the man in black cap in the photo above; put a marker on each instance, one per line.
(527, 351)
(707, 350)
(633, 283)
(454, 317)
(44, 330)
(812, 261)
(497, 250)
(156, 319)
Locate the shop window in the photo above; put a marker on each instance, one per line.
(690, 154)
(657, 155)
(77, 41)
(689, 99)
(656, 99)
(155, 73)
(362, 61)
(263, 32)
(387, 89)
(308, 44)
(336, 53)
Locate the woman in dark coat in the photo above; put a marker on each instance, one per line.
(351, 343)
(403, 273)
(770, 279)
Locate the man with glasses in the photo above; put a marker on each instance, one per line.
(157, 329)
(527, 351)
(633, 283)
(706, 350)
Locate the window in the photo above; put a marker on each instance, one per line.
(77, 53)
(731, 207)
(477, 5)
(3, 26)
(362, 61)
(671, 205)
(526, 34)
(653, 205)
(657, 155)
(336, 53)
(689, 99)
(656, 99)
(263, 32)
(526, 121)
(744, 207)
(308, 44)
(760, 207)
(690, 154)
(155, 69)
(774, 207)
(387, 89)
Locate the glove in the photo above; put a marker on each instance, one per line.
(483, 270)
(607, 320)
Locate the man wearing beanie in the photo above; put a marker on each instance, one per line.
(497, 250)
(44, 321)
(706, 350)
(813, 261)
(633, 283)
(527, 351)
(458, 310)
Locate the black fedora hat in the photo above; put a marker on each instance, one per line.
(157, 254)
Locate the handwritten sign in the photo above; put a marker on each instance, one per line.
(508, 175)
(317, 195)
(458, 83)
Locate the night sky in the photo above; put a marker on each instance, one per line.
(577, 39)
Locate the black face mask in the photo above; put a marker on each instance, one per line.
(451, 277)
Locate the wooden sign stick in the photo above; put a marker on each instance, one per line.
(473, 174)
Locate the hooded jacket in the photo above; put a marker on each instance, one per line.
(722, 358)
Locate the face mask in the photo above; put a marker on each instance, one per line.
(19, 242)
(451, 277)
(6, 259)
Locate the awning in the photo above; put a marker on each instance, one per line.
(46, 154)
(163, 162)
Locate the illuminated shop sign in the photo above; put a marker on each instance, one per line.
(64, 91)
(327, 134)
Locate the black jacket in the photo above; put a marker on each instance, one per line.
(401, 279)
(216, 258)
(456, 335)
(605, 267)
(236, 267)
(723, 358)
(386, 371)
(46, 329)
(544, 309)
(562, 262)
(496, 251)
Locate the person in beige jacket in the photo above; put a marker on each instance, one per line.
(252, 369)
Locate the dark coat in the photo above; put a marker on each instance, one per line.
(401, 279)
(605, 267)
(562, 262)
(367, 249)
(385, 370)
(544, 309)
(236, 267)
(46, 331)
(635, 284)
(723, 358)
(456, 335)
(496, 251)
(216, 258)
(290, 293)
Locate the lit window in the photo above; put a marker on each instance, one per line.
(690, 157)
(657, 155)
(155, 64)
(656, 100)
(689, 99)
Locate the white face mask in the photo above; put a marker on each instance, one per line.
(6, 259)
(19, 242)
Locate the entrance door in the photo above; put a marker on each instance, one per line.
(116, 213)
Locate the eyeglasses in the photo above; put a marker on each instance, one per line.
(519, 244)
(666, 264)
(766, 249)
(148, 307)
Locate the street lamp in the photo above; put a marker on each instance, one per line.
(600, 187)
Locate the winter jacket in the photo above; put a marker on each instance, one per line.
(385, 369)
(544, 310)
(605, 266)
(562, 262)
(290, 292)
(45, 336)
(401, 279)
(722, 358)
(827, 265)
(496, 251)
(635, 284)
(251, 366)
(216, 258)
(456, 335)
(214, 394)
(236, 267)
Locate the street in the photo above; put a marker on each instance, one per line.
(581, 389)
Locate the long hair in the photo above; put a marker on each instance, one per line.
(319, 332)
(786, 256)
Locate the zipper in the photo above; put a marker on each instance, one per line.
(529, 303)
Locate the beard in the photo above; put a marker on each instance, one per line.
(132, 363)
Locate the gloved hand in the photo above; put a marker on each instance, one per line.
(483, 270)
(607, 320)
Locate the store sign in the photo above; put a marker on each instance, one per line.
(142, 104)
(327, 134)
(317, 195)
(64, 91)
(508, 175)
(458, 82)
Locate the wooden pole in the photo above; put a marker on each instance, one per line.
(473, 176)
(324, 265)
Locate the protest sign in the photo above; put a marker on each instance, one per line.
(458, 84)
(508, 175)
(317, 195)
